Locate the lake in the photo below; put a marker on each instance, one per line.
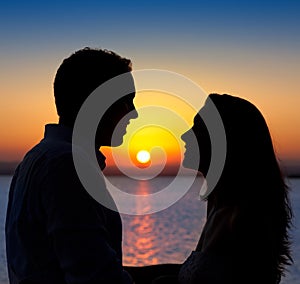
(167, 236)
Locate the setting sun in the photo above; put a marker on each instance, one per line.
(143, 156)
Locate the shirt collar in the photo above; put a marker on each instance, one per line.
(60, 132)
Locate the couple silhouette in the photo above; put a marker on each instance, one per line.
(57, 233)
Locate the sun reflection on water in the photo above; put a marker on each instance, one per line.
(167, 236)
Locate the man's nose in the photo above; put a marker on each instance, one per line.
(185, 135)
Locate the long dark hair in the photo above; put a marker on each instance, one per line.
(252, 182)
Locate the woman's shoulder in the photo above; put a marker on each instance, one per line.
(206, 267)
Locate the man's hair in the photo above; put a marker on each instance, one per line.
(80, 74)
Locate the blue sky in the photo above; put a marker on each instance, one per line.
(40, 24)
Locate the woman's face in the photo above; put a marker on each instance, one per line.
(197, 144)
(191, 147)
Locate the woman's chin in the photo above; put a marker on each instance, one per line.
(190, 162)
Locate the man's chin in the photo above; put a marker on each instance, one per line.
(117, 141)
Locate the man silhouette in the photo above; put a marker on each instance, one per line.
(55, 231)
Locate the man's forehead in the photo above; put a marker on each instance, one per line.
(129, 97)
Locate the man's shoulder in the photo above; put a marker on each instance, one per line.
(46, 155)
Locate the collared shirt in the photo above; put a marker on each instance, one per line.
(55, 231)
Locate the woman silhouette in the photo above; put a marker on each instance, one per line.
(245, 238)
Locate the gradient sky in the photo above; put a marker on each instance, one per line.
(249, 49)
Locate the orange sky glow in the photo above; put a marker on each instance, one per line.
(28, 104)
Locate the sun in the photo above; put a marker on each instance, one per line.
(143, 156)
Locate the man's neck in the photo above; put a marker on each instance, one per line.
(66, 122)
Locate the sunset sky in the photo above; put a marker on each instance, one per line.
(249, 49)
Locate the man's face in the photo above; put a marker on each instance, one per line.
(112, 126)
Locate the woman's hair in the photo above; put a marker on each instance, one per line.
(252, 181)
